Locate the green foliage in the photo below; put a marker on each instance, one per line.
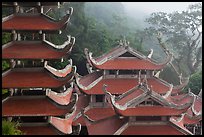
(10, 128)
(4, 91)
(195, 83)
(58, 64)
(181, 31)
(98, 32)
(5, 65)
(6, 37)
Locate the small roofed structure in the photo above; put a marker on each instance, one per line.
(128, 98)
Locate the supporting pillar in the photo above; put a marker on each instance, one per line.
(33, 63)
(15, 91)
(194, 130)
(16, 7)
(43, 36)
(41, 9)
(139, 77)
(18, 36)
(11, 91)
(18, 62)
(117, 73)
(21, 91)
(12, 63)
(14, 35)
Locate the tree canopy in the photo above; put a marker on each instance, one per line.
(182, 33)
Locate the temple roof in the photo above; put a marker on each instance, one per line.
(82, 102)
(33, 78)
(117, 60)
(104, 127)
(151, 130)
(127, 104)
(93, 83)
(194, 113)
(34, 50)
(100, 113)
(38, 129)
(45, 129)
(32, 106)
(34, 22)
(122, 126)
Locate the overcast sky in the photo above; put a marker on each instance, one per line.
(149, 7)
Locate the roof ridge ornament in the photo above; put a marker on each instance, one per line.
(151, 53)
(200, 93)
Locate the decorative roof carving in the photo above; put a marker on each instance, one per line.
(59, 73)
(107, 60)
(91, 85)
(147, 93)
(63, 124)
(63, 98)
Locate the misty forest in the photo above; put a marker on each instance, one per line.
(99, 26)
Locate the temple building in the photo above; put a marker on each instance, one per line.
(42, 98)
(126, 96)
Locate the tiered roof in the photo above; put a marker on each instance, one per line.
(117, 59)
(126, 96)
(36, 49)
(93, 83)
(58, 106)
(38, 129)
(36, 77)
(21, 106)
(34, 22)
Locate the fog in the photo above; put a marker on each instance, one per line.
(139, 11)
(149, 7)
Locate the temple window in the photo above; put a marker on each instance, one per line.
(143, 72)
(99, 98)
(148, 118)
(126, 72)
(112, 72)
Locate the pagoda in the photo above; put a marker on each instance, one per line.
(42, 98)
(127, 97)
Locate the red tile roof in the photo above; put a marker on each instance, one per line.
(113, 60)
(82, 102)
(130, 96)
(31, 106)
(105, 127)
(151, 111)
(119, 85)
(31, 77)
(38, 130)
(129, 64)
(151, 130)
(31, 50)
(33, 22)
(100, 113)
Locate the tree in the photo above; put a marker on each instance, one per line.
(182, 31)
(195, 83)
(10, 128)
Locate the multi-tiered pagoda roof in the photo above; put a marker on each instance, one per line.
(41, 97)
(128, 97)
